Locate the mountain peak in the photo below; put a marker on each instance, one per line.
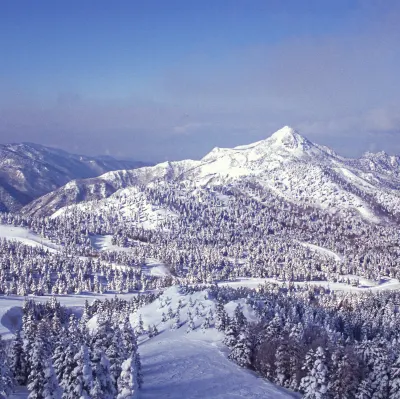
(284, 132)
(289, 138)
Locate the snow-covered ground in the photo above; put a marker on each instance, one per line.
(323, 251)
(194, 365)
(27, 237)
(152, 267)
(181, 365)
(11, 307)
(386, 283)
(177, 367)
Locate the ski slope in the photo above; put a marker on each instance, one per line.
(181, 365)
(182, 368)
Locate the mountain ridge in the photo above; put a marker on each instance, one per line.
(29, 170)
(286, 164)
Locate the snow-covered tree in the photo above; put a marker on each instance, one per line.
(127, 382)
(315, 383)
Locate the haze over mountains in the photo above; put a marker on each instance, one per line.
(28, 171)
(285, 165)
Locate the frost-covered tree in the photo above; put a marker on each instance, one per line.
(231, 335)
(51, 389)
(82, 374)
(241, 351)
(17, 359)
(176, 321)
(315, 383)
(394, 382)
(127, 382)
(103, 386)
(39, 360)
(6, 380)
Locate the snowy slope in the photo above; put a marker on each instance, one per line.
(126, 204)
(27, 237)
(181, 365)
(28, 171)
(286, 164)
(181, 368)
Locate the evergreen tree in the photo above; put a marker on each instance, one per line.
(394, 384)
(315, 383)
(82, 374)
(239, 318)
(39, 359)
(29, 332)
(191, 325)
(129, 340)
(344, 375)
(51, 389)
(65, 367)
(176, 322)
(103, 384)
(222, 319)
(138, 367)
(282, 363)
(17, 359)
(115, 356)
(127, 382)
(241, 352)
(6, 380)
(231, 334)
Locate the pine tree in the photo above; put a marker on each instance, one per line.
(344, 377)
(176, 322)
(39, 358)
(82, 374)
(17, 359)
(103, 384)
(64, 368)
(239, 318)
(129, 340)
(222, 319)
(394, 384)
(51, 389)
(29, 332)
(138, 366)
(315, 383)
(115, 355)
(6, 380)
(231, 334)
(282, 363)
(206, 324)
(127, 382)
(140, 327)
(241, 352)
(191, 325)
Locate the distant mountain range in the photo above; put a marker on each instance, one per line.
(285, 165)
(28, 171)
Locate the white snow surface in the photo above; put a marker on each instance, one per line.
(183, 368)
(194, 365)
(322, 251)
(27, 237)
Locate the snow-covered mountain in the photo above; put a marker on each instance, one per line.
(28, 171)
(286, 165)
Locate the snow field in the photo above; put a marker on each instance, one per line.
(193, 365)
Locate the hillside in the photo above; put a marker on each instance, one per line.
(28, 171)
(286, 165)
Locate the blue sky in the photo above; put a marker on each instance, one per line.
(162, 80)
